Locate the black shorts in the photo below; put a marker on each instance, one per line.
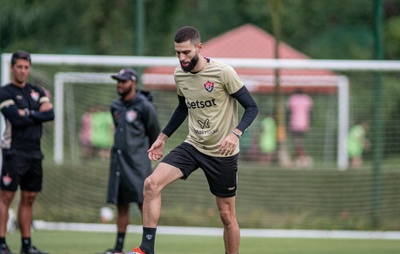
(22, 168)
(298, 134)
(221, 172)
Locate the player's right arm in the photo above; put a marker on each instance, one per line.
(155, 151)
(17, 117)
(177, 118)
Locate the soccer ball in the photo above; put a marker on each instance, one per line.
(106, 214)
(12, 223)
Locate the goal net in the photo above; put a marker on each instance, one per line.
(325, 194)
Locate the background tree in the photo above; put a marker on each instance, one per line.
(337, 29)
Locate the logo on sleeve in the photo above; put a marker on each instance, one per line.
(116, 116)
(209, 86)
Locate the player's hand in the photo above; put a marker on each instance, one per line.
(155, 151)
(46, 106)
(228, 145)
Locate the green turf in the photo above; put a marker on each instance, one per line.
(67, 242)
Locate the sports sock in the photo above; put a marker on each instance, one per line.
(26, 242)
(148, 239)
(119, 243)
(2, 240)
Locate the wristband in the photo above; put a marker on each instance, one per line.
(236, 134)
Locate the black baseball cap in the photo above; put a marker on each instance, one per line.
(20, 54)
(126, 74)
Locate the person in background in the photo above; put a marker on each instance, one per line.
(299, 108)
(85, 133)
(357, 143)
(268, 139)
(25, 107)
(136, 127)
(101, 133)
(209, 93)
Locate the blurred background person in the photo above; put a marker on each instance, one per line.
(85, 132)
(101, 133)
(357, 143)
(299, 110)
(25, 108)
(268, 139)
(136, 127)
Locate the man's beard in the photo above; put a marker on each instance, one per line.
(125, 92)
(191, 64)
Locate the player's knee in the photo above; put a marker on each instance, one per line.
(227, 217)
(28, 198)
(150, 187)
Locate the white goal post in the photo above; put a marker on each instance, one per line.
(123, 61)
(62, 78)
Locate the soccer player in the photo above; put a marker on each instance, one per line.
(209, 92)
(136, 128)
(25, 107)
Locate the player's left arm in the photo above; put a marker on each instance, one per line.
(229, 144)
(245, 99)
(235, 87)
(44, 114)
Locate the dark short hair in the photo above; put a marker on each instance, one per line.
(20, 54)
(187, 33)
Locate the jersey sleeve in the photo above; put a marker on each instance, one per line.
(43, 95)
(5, 99)
(178, 90)
(230, 79)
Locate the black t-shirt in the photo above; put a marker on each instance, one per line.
(23, 132)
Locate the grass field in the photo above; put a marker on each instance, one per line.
(70, 242)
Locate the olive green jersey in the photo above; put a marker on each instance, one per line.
(213, 112)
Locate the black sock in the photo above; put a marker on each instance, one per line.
(26, 242)
(148, 239)
(119, 243)
(2, 240)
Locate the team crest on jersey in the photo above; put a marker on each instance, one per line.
(209, 86)
(34, 95)
(131, 116)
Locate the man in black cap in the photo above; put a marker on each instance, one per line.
(136, 127)
(25, 107)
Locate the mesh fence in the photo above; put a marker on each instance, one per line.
(315, 194)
